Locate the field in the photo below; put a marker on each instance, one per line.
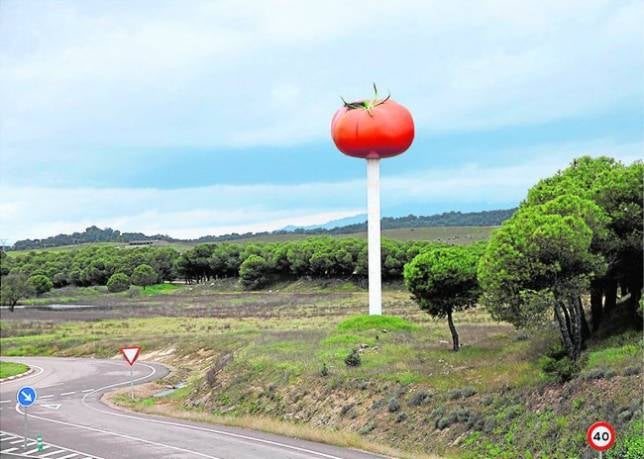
(449, 234)
(275, 359)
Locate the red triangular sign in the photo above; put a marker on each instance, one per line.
(131, 353)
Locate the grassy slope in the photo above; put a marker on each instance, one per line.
(488, 400)
(11, 369)
(451, 234)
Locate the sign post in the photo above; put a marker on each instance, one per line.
(130, 354)
(601, 436)
(26, 397)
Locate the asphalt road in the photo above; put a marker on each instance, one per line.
(75, 424)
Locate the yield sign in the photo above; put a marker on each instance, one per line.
(131, 353)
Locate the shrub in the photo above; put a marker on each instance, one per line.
(368, 427)
(353, 359)
(118, 282)
(468, 391)
(557, 363)
(133, 291)
(401, 417)
(39, 284)
(632, 371)
(419, 398)
(442, 423)
(393, 406)
(324, 371)
(60, 280)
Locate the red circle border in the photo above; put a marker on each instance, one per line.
(610, 428)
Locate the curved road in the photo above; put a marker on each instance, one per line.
(75, 424)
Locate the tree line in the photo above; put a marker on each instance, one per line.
(95, 234)
(256, 265)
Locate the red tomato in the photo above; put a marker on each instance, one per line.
(372, 129)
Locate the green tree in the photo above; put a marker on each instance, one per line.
(118, 282)
(443, 280)
(541, 261)
(5, 263)
(144, 275)
(39, 284)
(253, 272)
(14, 286)
(619, 191)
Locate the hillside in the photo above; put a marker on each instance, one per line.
(94, 234)
(448, 234)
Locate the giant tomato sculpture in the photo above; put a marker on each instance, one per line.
(373, 129)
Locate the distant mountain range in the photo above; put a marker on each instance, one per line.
(361, 218)
(346, 225)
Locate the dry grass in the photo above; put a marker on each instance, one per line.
(121, 399)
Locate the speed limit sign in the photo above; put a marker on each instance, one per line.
(600, 436)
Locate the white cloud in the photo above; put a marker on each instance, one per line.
(245, 73)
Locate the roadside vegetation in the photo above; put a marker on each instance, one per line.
(8, 369)
(545, 319)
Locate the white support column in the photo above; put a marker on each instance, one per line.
(373, 219)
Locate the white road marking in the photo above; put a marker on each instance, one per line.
(46, 396)
(6, 401)
(203, 429)
(249, 438)
(67, 393)
(9, 450)
(88, 390)
(51, 406)
(20, 380)
(35, 450)
(16, 441)
(129, 437)
(73, 452)
(56, 451)
(53, 385)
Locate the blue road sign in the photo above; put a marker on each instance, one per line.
(26, 396)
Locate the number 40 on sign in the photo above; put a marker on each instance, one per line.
(600, 436)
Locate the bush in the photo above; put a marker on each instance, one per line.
(118, 282)
(133, 291)
(39, 284)
(393, 406)
(324, 371)
(442, 423)
(353, 359)
(557, 363)
(419, 398)
(60, 280)
(253, 272)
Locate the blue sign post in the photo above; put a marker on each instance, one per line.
(26, 397)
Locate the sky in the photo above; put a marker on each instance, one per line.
(190, 118)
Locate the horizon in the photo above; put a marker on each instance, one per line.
(212, 118)
(341, 223)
